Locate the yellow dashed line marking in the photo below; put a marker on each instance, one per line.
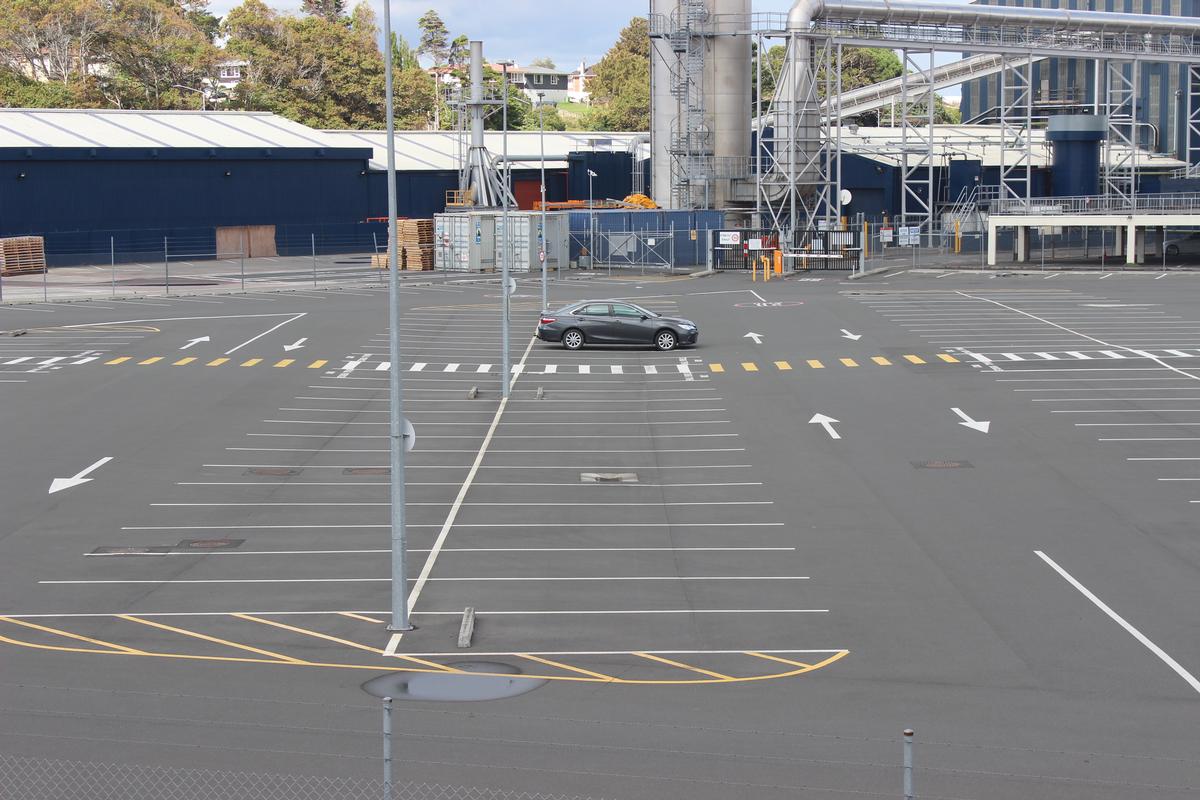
(216, 362)
(948, 358)
(915, 359)
(151, 360)
(849, 362)
(286, 362)
(251, 362)
(716, 367)
(749, 366)
(318, 364)
(120, 360)
(183, 361)
(567, 667)
(681, 665)
(815, 364)
(208, 638)
(783, 365)
(70, 635)
(881, 361)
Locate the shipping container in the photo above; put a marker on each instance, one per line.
(469, 242)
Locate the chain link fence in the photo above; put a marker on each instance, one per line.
(24, 778)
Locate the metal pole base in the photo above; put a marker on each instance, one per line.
(395, 629)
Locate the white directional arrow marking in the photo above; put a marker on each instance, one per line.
(296, 345)
(854, 337)
(757, 337)
(975, 425)
(192, 342)
(826, 422)
(58, 484)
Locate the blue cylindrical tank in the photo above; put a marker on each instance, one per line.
(1076, 141)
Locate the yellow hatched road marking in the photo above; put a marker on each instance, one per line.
(286, 362)
(770, 657)
(567, 667)
(915, 359)
(347, 642)
(782, 365)
(749, 366)
(815, 364)
(881, 361)
(251, 362)
(318, 364)
(151, 360)
(120, 360)
(183, 361)
(948, 358)
(716, 367)
(216, 362)
(70, 635)
(208, 638)
(849, 362)
(681, 665)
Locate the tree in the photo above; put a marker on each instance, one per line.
(403, 55)
(545, 62)
(551, 120)
(413, 92)
(331, 10)
(520, 109)
(18, 91)
(620, 91)
(51, 40)
(459, 51)
(434, 38)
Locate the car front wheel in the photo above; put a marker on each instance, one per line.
(1172, 250)
(665, 340)
(572, 339)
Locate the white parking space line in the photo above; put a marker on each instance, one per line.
(448, 550)
(474, 579)
(1117, 618)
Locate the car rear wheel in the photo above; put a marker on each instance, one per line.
(572, 339)
(1172, 250)
(665, 340)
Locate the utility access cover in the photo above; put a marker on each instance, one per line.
(608, 477)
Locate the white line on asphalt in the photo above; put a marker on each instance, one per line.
(264, 333)
(484, 466)
(558, 525)
(457, 613)
(522, 504)
(449, 550)
(502, 579)
(1117, 618)
(590, 486)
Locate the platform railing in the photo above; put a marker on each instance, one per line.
(1176, 202)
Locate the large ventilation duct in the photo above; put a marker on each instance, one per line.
(663, 108)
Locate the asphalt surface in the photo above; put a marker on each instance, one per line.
(699, 589)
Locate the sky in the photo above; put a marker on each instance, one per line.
(566, 31)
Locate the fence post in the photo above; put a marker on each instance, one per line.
(45, 287)
(314, 254)
(387, 748)
(242, 257)
(908, 764)
(1, 286)
(112, 255)
(166, 267)
(375, 242)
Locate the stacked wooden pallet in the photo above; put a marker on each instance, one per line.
(414, 245)
(22, 255)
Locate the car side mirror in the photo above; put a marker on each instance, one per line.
(644, 318)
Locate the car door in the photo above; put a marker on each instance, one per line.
(594, 320)
(630, 325)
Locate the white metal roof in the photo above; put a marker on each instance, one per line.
(109, 128)
(439, 150)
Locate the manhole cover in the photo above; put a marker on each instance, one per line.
(502, 680)
(275, 472)
(210, 544)
(942, 464)
(367, 471)
(608, 477)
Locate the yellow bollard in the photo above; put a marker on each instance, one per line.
(866, 240)
(957, 238)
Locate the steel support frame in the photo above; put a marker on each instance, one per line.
(1016, 129)
(1192, 146)
(916, 140)
(1120, 146)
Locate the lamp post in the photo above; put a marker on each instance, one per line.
(400, 620)
(203, 96)
(542, 239)
(505, 377)
(591, 224)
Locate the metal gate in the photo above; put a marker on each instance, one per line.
(743, 247)
(820, 249)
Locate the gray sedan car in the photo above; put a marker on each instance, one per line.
(614, 322)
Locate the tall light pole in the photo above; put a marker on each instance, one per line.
(505, 377)
(400, 621)
(542, 239)
(591, 224)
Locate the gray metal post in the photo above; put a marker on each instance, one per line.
(387, 732)
(314, 256)
(166, 267)
(908, 764)
(45, 286)
(400, 621)
(1, 286)
(505, 376)
(542, 237)
(112, 256)
(242, 257)
(375, 241)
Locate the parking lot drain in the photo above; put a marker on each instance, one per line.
(608, 477)
(467, 629)
(942, 464)
(367, 471)
(455, 686)
(275, 472)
